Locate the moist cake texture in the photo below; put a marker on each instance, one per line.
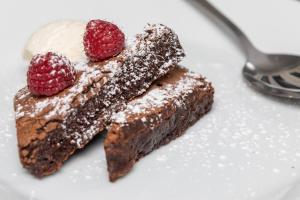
(163, 113)
(51, 129)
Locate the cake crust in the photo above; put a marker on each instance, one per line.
(162, 114)
(51, 129)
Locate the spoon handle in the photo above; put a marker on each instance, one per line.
(243, 39)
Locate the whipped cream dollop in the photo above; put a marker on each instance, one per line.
(64, 37)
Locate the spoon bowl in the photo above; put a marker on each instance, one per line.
(277, 74)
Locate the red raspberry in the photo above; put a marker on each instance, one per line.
(102, 40)
(49, 73)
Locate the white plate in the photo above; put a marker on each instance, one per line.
(247, 147)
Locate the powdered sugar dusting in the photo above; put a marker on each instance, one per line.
(142, 56)
(61, 105)
(159, 96)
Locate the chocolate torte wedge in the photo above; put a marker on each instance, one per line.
(51, 129)
(162, 114)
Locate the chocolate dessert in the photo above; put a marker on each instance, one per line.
(51, 129)
(162, 114)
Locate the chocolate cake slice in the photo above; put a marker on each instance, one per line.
(162, 114)
(51, 129)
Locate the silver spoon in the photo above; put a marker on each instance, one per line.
(273, 74)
